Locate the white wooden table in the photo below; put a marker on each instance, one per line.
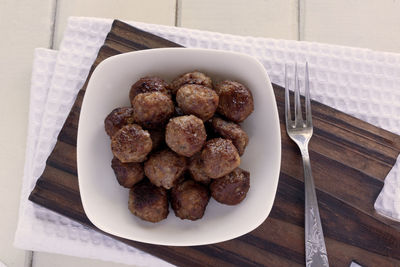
(27, 24)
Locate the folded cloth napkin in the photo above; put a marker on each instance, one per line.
(360, 82)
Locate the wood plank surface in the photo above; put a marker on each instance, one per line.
(373, 24)
(22, 32)
(350, 159)
(150, 11)
(272, 19)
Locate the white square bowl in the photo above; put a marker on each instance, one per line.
(106, 203)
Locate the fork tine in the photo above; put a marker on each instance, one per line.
(298, 118)
(288, 117)
(308, 100)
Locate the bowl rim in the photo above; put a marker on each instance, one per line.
(255, 224)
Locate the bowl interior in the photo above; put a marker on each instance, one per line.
(105, 202)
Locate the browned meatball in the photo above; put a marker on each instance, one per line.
(232, 188)
(235, 100)
(189, 200)
(198, 100)
(194, 77)
(131, 143)
(164, 168)
(157, 138)
(118, 118)
(185, 135)
(152, 110)
(196, 169)
(147, 85)
(127, 174)
(148, 202)
(219, 157)
(232, 131)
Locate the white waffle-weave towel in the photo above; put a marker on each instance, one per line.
(360, 82)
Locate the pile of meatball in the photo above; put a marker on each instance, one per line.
(180, 143)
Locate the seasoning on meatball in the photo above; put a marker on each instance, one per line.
(148, 202)
(232, 131)
(118, 118)
(235, 100)
(157, 138)
(164, 168)
(152, 110)
(131, 143)
(198, 100)
(148, 85)
(196, 171)
(189, 200)
(185, 135)
(194, 77)
(127, 174)
(232, 188)
(219, 157)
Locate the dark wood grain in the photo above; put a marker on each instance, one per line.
(350, 160)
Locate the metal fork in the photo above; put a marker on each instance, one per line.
(300, 131)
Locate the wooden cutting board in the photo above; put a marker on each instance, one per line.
(350, 159)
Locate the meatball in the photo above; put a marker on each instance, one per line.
(157, 138)
(232, 131)
(196, 171)
(198, 100)
(131, 143)
(219, 157)
(185, 135)
(194, 77)
(148, 85)
(118, 118)
(148, 202)
(235, 100)
(152, 110)
(189, 200)
(127, 174)
(164, 168)
(232, 188)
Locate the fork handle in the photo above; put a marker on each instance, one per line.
(314, 238)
